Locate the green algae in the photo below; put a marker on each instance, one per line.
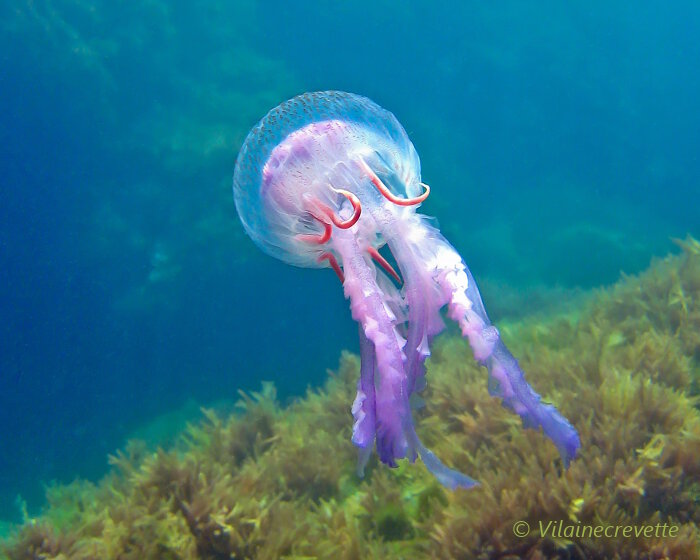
(272, 482)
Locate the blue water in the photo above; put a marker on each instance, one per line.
(560, 141)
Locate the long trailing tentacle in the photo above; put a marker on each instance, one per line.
(423, 301)
(363, 409)
(370, 308)
(384, 382)
(424, 320)
(436, 275)
(507, 380)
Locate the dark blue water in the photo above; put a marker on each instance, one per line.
(560, 140)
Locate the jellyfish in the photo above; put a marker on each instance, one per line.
(327, 179)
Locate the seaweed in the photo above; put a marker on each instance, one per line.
(272, 482)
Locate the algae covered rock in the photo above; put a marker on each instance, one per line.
(272, 482)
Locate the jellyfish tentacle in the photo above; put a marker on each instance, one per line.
(449, 478)
(386, 193)
(333, 217)
(356, 210)
(330, 257)
(316, 239)
(506, 378)
(320, 239)
(363, 408)
(438, 264)
(313, 238)
(379, 324)
(424, 301)
(381, 261)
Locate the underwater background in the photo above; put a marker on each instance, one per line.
(560, 141)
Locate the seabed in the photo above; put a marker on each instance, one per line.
(271, 482)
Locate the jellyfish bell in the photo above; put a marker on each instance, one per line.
(301, 153)
(327, 179)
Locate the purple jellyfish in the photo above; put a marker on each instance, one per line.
(328, 178)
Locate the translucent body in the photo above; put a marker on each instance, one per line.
(324, 180)
(300, 149)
